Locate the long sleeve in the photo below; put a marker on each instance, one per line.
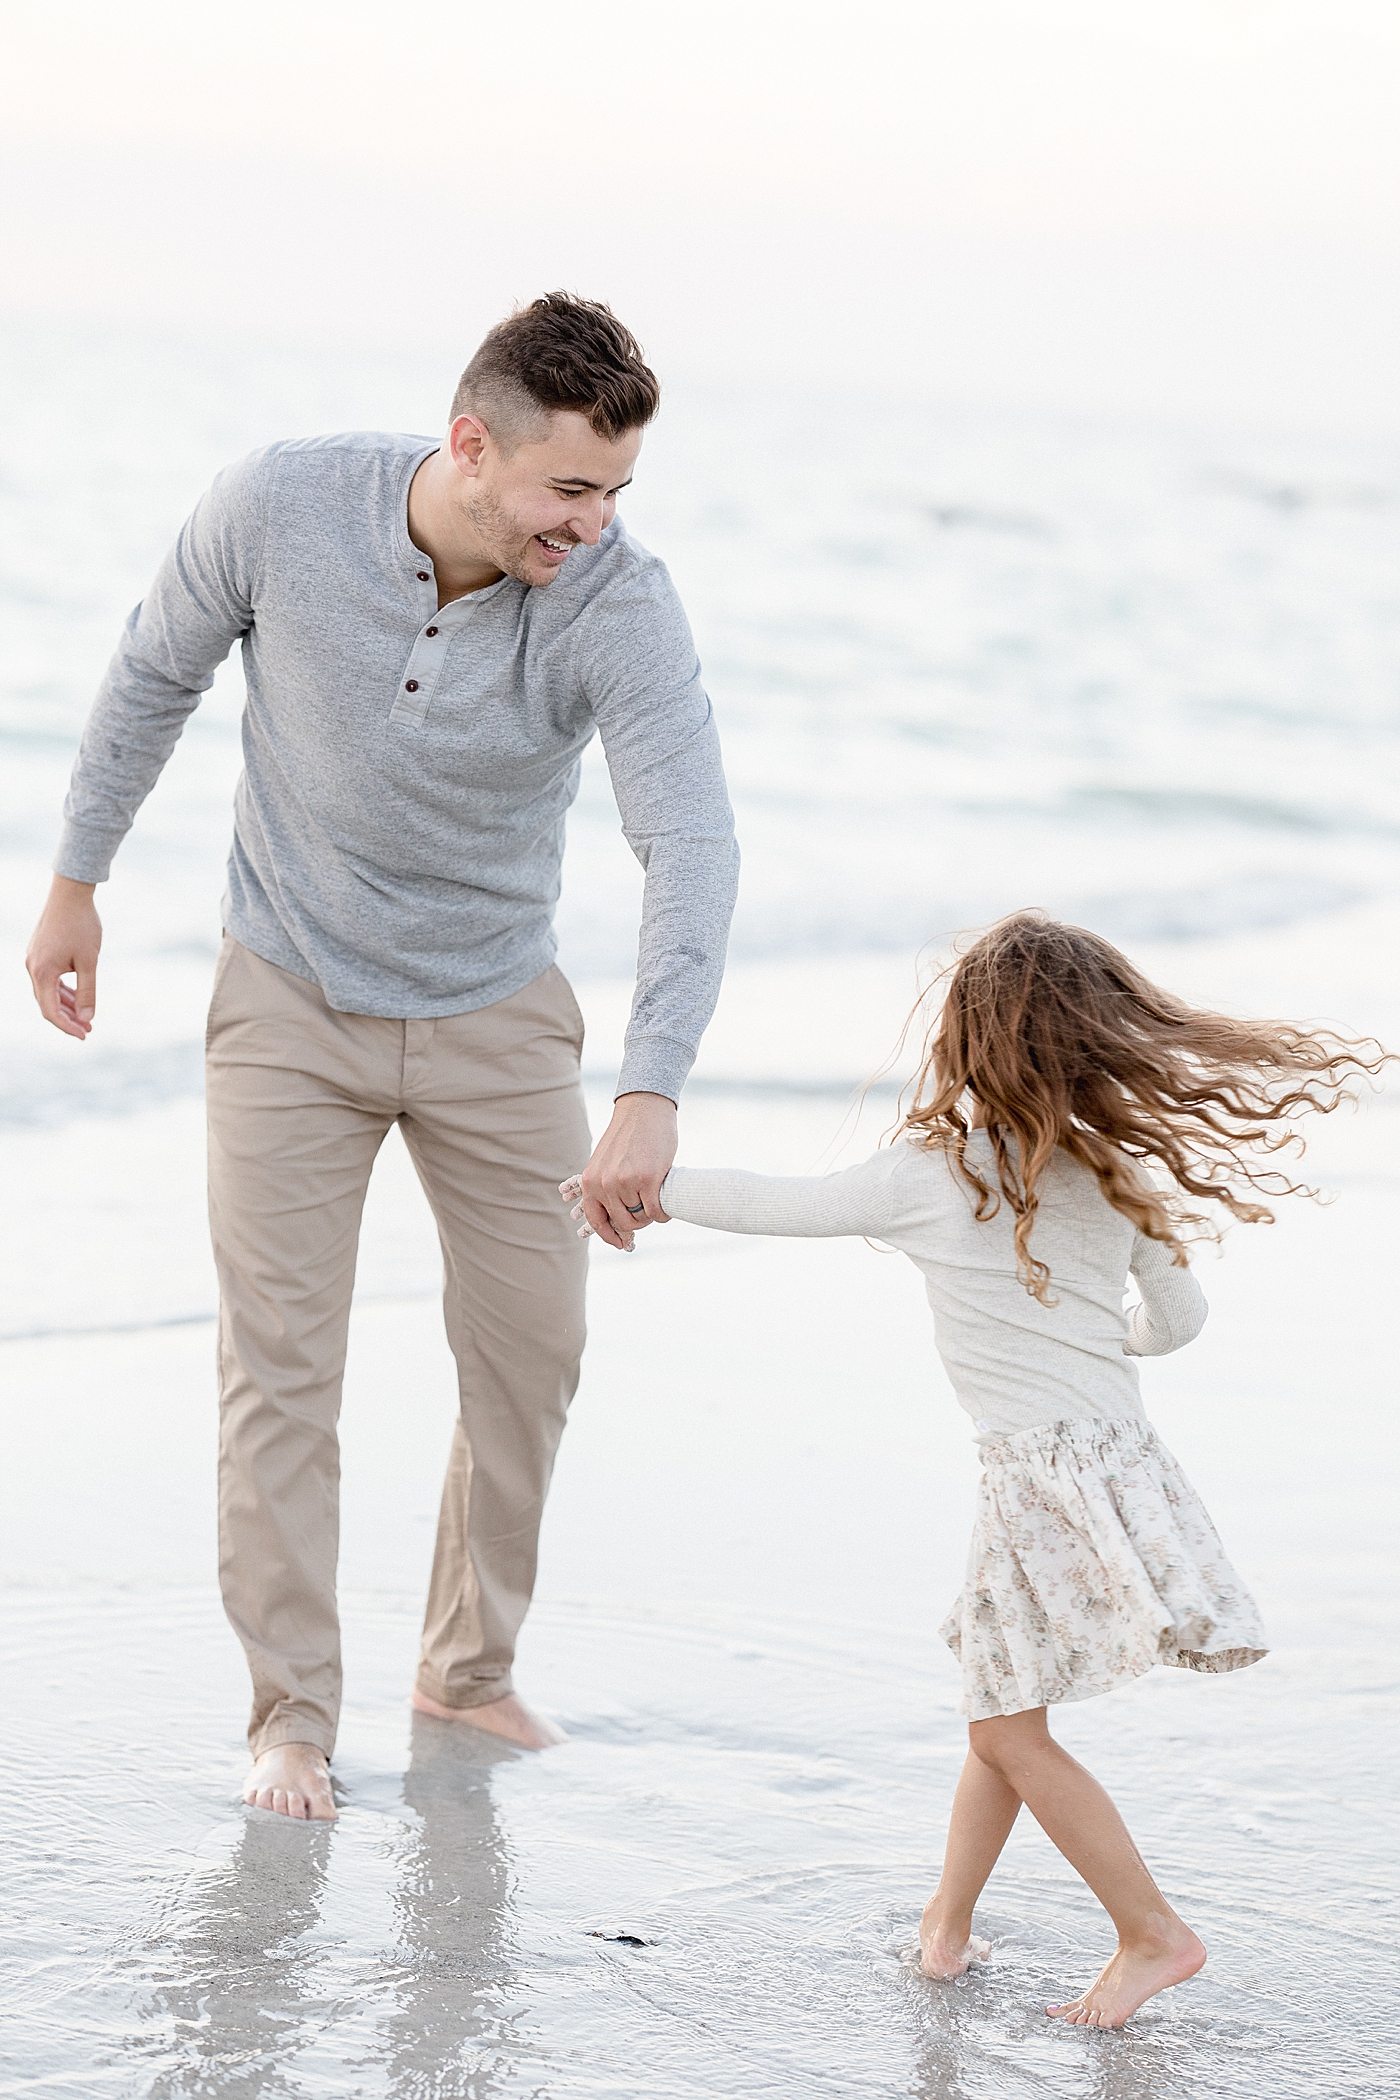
(860, 1200)
(658, 730)
(1173, 1308)
(174, 641)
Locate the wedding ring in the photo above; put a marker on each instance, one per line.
(634, 1210)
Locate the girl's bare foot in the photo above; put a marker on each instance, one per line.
(1135, 1974)
(947, 1950)
(947, 1958)
(509, 1717)
(292, 1780)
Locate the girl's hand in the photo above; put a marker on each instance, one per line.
(572, 1192)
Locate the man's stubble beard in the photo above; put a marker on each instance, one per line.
(500, 536)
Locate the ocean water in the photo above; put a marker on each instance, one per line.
(1149, 677)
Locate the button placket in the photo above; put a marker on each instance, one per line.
(422, 671)
(426, 658)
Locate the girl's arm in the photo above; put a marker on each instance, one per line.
(1173, 1308)
(860, 1200)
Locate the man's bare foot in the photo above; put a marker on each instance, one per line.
(946, 1954)
(1134, 1975)
(509, 1717)
(292, 1780)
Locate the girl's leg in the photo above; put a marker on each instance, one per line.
(984, 1809)
(1155, 1949)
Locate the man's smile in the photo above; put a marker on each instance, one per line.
(554, 550)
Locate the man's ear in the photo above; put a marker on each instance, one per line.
(467, 437)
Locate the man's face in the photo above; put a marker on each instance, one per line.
(530, 507)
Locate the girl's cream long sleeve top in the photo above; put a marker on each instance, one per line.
(1014, 1363)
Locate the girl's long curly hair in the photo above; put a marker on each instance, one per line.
(1064, 1044)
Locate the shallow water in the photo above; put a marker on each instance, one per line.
(761, 1804)
(1026, 662)
(757, 1521)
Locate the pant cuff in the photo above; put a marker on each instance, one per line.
(462, 1698)
(276, 1733)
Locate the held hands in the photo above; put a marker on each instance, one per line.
(619, 1191)
(572, 1189)
(66, 940)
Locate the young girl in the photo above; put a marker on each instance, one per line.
(1055, 1079)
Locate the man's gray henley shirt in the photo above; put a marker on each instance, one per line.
(399, 824)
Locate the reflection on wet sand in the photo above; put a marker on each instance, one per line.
(770, 1835)
(238, 1997)
(248, 1983)
(452, 1975)
(988, 2033)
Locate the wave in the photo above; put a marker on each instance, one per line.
(124, 1082)
(105, 1083)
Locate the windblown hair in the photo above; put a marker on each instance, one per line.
(1066, 1045)
(559, 352)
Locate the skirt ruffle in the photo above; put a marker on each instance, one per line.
(1092, 1559)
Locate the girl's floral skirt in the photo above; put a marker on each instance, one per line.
(1092, 1558)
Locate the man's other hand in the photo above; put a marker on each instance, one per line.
(65, 943)
(622, 1181)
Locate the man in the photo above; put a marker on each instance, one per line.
(430, 635)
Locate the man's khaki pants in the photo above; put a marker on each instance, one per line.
(300, 1100)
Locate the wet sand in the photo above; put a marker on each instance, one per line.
(759, 1517)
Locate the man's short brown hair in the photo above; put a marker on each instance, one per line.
(559, 352)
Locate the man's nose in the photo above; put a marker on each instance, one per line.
(586, 524)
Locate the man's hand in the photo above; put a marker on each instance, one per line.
(66, 939)
(630, 1161)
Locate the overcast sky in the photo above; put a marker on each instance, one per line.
(1193, 208)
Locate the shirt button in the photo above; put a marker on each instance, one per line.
(430, 630)
(410, 685)
(422, 575)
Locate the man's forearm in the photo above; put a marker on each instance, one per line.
(687, 905)
(134, 725)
